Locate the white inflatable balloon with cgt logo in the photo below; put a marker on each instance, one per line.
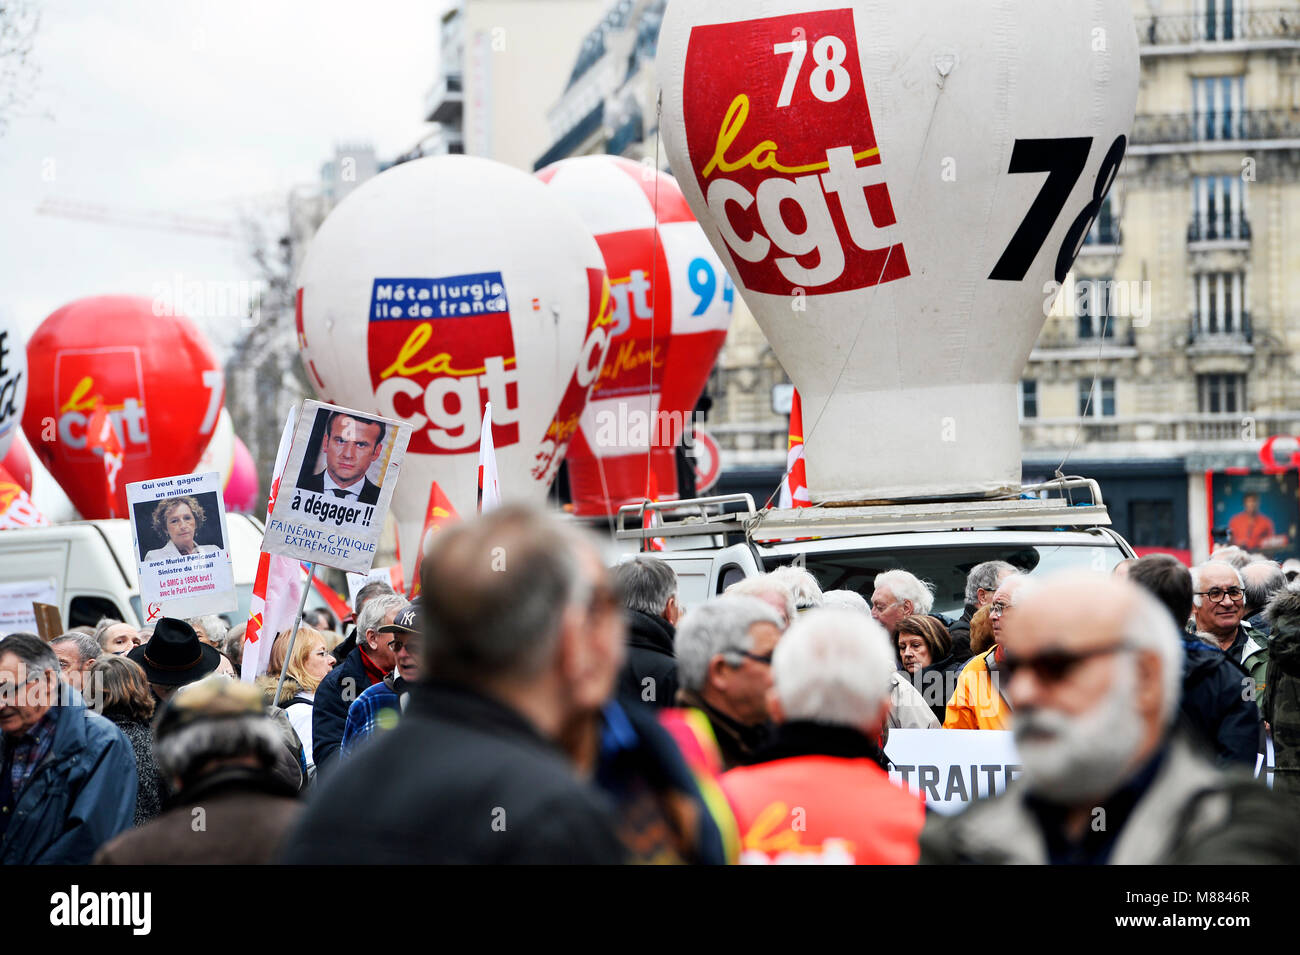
(896, 188)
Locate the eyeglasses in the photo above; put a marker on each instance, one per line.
(1218, 593)
(1054, 665)
(396, 645)
(997, 610)
(881, 608)
(766, 659)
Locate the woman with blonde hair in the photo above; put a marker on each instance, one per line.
(303, 672)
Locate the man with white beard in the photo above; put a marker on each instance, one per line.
(1093, 667)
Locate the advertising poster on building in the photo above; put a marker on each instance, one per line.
(1258, 512)
(181, 546)
(343, 467)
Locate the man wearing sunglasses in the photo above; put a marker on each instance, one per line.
(1093, 667)
(380, 706)
(1219, 602)
(980, 701)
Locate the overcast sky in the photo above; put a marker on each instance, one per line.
(201, 108)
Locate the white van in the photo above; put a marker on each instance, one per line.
(711, 547)
(88, 570)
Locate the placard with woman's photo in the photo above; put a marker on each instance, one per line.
(181, 546)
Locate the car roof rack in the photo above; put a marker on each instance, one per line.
(1023, 509)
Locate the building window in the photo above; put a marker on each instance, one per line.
(1218, 103)
(1218, 208)
(1098, 403)
(1222, 19)
(1105, 228)
(1028, 398)
(1221, 394)
(1094, 306)
(1220, 303)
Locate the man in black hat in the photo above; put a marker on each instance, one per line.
(173, 657)
(380, 706)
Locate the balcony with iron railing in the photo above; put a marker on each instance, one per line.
(1188, 429)
(1165, 34)
(1084, 336)
(444, 101)
(1225, 333)
(1219, 229)
(1225, 129)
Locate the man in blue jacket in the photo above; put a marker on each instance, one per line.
(67, 774)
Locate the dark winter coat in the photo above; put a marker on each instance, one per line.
(960, 633)
(341, 686)
(650, 670)
(463, 778)
(151, 790)
(1282, 707)
(81, 795)
(234, 816)
(1217, 707)
(1191, 813)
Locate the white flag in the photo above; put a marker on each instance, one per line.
(489, 490)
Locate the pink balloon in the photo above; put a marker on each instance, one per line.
(241, 487)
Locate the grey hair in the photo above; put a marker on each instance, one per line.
(182, 752)
(986, 576)
(1230, 554)
(801, 583)
(846, 599)
(34, 653)
(372, 589)
(1262, 579)
(1196, 577)
(212, 626)
(833, 666)
(373, 613)
(905, 586)
(88, 647)
(718, 626)
(1151, 627)
(646, 584)
(766, 584)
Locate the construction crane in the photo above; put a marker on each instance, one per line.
(139, 219)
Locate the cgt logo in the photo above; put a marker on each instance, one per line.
(591, 362)
(108, 375)
(790, 168)
(439, 349)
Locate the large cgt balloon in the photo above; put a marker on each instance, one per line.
(895, 187)
(672, 305)
(438, 286)
(155, 374)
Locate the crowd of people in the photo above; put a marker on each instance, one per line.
(536, 704)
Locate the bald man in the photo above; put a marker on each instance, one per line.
(1093, 665)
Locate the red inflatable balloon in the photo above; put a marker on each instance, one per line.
(672, 305)
(156, 376)
(19, 463)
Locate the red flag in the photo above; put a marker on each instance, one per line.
(437, 515)
(489, 487)
(101, 439)
(651, 518)
(794, 489)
